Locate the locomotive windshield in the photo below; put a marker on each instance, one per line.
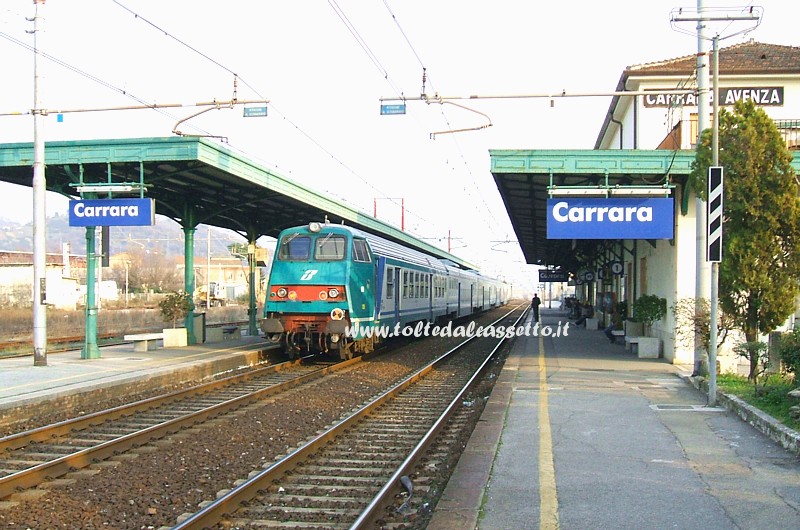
(295, 248)
(330, 247)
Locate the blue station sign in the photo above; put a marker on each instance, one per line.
(112, 212)
(388, 110)
(628, 218)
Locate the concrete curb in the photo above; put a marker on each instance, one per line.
(788, 438)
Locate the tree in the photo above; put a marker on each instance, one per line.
(175, 306)
(760, 268)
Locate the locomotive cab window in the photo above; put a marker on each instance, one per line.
(330, 248)
(295, 248)
(361, 251)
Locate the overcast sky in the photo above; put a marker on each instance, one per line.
(324, 65)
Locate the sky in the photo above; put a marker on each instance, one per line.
(324, 67)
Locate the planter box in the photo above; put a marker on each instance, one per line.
(648, 348)
(175, 338)
(591, 323)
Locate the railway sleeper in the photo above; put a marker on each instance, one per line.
(310, 501)
(271, 523)
(342, 472)
(338, 490)
(330, 480)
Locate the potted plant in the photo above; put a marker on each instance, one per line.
(174, 307)
(647, 309)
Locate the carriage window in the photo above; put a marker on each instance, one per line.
(360, 251)
(417, 285)
(330, 247)
(405, 284)
(389, 282)
(295, 248)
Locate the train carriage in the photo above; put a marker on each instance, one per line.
(331, 286)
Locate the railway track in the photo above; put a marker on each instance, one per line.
(347, 476)
(29, 458)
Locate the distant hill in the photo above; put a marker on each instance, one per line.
(166, 236)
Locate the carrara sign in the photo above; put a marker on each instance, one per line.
(112, 212)
(628, 218)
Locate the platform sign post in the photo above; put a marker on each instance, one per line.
(714, 255)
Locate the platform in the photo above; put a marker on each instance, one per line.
(603, 439)
(68, 380)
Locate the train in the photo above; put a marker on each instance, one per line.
(330, 286)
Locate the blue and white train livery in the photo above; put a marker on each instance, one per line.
(325, 278)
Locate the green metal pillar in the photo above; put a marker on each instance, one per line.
(251, 310)
(90, 349)
(188, 278)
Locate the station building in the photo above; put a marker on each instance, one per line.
(646, 140)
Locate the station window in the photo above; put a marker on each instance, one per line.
(330, 247)
(389, 283)
(295, 248)
(361, 251)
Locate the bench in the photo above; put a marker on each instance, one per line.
(231, 332)
(145, 341)
(618, 332)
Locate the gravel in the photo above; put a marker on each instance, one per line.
(151, 486)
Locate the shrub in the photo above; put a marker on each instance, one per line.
(790, 351)
(175, 306)
(648, 308)
(757, 353)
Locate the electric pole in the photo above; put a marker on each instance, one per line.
(39, 210)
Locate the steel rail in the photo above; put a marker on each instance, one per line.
(216, 510)
(34, 475)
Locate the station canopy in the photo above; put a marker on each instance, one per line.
(196, 181)
(526, 178)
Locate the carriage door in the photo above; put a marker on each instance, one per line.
(458, 306)
(472, 297)
(396, 295)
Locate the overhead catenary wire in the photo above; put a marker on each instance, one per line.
(158, 108)
(251, 87)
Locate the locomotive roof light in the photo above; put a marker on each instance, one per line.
(314, 226)
(333, 292)
(281, 292)
(337, 313)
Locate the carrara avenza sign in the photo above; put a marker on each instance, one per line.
(628, 218)
(112, 212)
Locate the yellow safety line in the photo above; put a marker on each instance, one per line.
(548, 496)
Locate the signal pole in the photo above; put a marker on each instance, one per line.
(753, 15)
(39, 210)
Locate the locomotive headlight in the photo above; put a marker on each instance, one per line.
(281, 292)
(333, 292)
(314, 227)
(334, 338)
(292, 295)
(323, 295)
(337, 313)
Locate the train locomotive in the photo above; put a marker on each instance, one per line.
(331, 285)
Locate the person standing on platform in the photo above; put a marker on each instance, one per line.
(535, 303)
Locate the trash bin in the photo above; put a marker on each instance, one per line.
(199, 328)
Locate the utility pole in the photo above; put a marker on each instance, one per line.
(753, 14)
(39, 210)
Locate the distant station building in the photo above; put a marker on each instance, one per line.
(645, 140)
